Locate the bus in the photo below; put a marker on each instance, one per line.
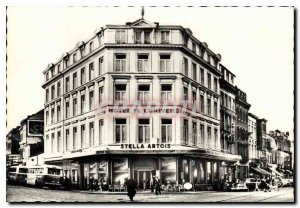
(45, 175)
(17, 175)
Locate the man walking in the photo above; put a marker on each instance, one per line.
(157, 186)
(131, 188)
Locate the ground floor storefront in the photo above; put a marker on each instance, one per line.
(111, 171)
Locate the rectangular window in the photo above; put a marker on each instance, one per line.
(74, 80)
(165, 37)
(185, 67)
(101, 131)
(216, 137)
(201, 134)
(67, 139)
(120, 92)
(120, 36)
(194, 72)
(52, 142)
(216, 109)
(82, 76)
(166, 93)
(208, 106)
(82, 136)
(194, 94)
(143, 62)
(138, 37)
(91, 71)
(194, 136)
(201, 76)
(166, 130)
(52, 92)
(208, 58)
(120, 62)
(185, 96)
(209, 80)
(58, 113)
(144, 131)
(101, 66)
(67, 84)
(82, 104)
(58, 143)
(121, 131)
(91, 101)
(58, 89)
(52, 115)
(91, 46)
(47, 118)
(143, 93)
(165, 63)
(74, 138)
(47, 95)
(209, 135)
(74, 106)
(47, 143)
(58, 67)
(100, 96)
(147, 37)
(201, 103)
(67, 109)
(91, 134)
(185, 131)
(215, 84)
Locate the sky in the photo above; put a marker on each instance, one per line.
(256, 44)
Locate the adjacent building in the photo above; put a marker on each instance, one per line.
(31, 136)
(139, 100)
(12, 146)
(242, 107)
(252, 139)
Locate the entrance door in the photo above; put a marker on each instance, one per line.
(144, 177)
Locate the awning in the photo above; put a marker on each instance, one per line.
(266, 171)
(289, 171)
(276, 172)
(260, 171)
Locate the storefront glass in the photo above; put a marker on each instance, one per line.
(119, 171)
(185, 169)
(102, 170)
(168, 171)
(194, 171)
(201, 171)
(215, 171)
(208, 172)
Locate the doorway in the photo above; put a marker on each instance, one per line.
(144, 177)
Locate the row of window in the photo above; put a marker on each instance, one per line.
(242, 114)
(227, 101)
(79, 139)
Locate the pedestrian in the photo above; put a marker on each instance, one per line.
(152, 185)
(131, 185)
(91, 183)
(157, 186)
(101, 184)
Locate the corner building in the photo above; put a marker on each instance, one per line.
(135, 101)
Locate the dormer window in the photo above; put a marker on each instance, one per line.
(120, 36)
(165, 37)
(147, 37)
(138, 37)
(91, 46)
(194, 47)
(74, 58)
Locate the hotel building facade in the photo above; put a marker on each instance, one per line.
(135, 101)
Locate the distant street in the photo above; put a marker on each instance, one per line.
(28, 194)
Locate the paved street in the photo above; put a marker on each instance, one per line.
(28, 194)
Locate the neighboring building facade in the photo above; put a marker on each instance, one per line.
(94, 127)
(31, 136)
(12, 146)
(252, 142)
(242, 108)
(263, 143)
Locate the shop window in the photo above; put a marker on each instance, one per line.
(201, 172)
(166, 93)
(120, 62)
(121, 131)
(120, 171)
(165, 63)
(166, 130)
(102, 171)
(143, 63)
(194, 171)
(185, 170)
(215, 171)
(168, 171)
(144, 131)
(208, 172)
(74, 176)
